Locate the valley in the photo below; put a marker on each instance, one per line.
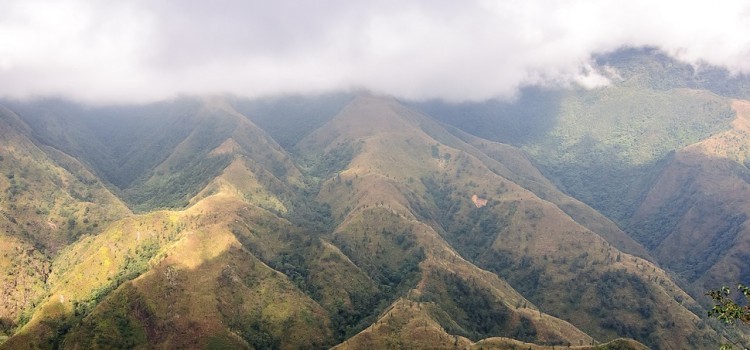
(593, 219)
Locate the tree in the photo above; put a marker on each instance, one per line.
(728, 310)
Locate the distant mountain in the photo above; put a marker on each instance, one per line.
(568, 217)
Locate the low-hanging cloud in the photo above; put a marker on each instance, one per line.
(141, 50)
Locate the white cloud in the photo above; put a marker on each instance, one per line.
(146, 50)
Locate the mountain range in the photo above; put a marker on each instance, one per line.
(566, 217)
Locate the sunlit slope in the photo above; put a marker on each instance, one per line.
(606, 143)
(384, 229)
(395, 172)
(47, 197)
(659, 151)
(603, 146)
(516, 166)
(174, 279)
(698, 206)
(235, 269)
(47, 201)
(182, 278)
(411, 264)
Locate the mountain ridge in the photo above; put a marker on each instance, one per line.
(367, 229)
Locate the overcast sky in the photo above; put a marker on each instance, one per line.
(144, 50)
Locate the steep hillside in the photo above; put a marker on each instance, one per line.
(385, 229)
(660, 151)
(698, 206)
(395, 165)
(515, 165)
(173, 279)
(405, 257)
(47, 201)
(119, 143)
(158, 155)
(191, 278)
(288, 119)
(604, 146)
(217, 132)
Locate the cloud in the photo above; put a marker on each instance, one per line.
(124, 51)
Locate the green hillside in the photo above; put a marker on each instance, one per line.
(661, 151)
(696, 205)
(602, 146)
(517, 235)
(47, 202)
(154, 156)
(380, 228)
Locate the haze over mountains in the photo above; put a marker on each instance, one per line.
(356, 220)
(473, 50)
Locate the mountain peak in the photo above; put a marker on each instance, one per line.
(386, 228)
(368, 114)
(365, 117)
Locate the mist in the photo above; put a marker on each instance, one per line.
(142, 51)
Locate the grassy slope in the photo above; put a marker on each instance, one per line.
(657, 151)
(48, 196)
(197, 263)
(199, 157)
(229, 270)
(195, 285)
(604, 146)
(698, 203)
(243, 263)
(47, 201)
(120, 144)
(379, 232)
(560, 265)
(516, 166)
(517, 236)
(607, 141)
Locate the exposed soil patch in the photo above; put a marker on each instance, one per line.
(479, 202)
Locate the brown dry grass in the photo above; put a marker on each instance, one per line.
(539, 231)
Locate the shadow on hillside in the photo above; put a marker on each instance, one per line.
(517, 122)
(288, 119)
(5, 325)
(694, 220)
